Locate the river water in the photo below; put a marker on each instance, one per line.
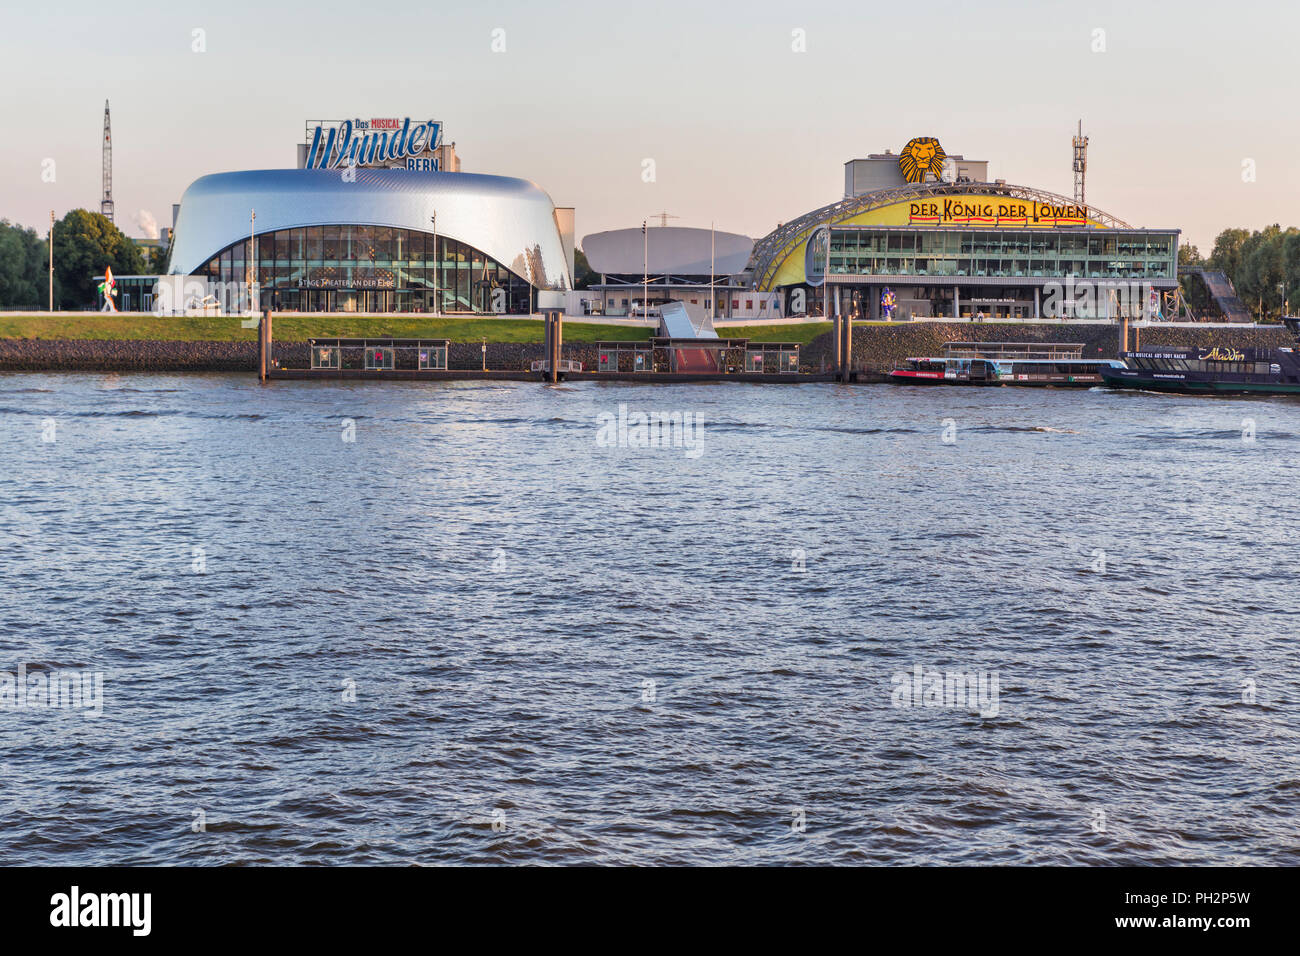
(431, 623)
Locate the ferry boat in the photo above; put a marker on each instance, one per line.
(1006, 363)
(1214, 371)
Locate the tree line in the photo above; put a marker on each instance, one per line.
(1264, 267)
(84, 244)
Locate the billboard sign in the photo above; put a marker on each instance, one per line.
(383, 143)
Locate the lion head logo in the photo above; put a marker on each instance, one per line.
(921, 158)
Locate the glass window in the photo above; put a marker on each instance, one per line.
(462, 281)
(315, 245)
(363, 243)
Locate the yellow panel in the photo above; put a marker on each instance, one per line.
(791, 271)
(973, 211)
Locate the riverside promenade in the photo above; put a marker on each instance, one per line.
(56, 342)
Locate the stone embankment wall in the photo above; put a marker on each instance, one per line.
(882, 346)
(875, 347)
(88, 355)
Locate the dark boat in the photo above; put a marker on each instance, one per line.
(1214, 371)
(1005, 363)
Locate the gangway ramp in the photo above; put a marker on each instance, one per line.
(676, 323)
(1224, 295)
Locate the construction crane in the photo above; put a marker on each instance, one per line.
(106, 203)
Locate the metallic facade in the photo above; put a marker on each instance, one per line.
(511, 220)
(673, 250)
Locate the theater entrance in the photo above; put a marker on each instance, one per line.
(364, 300)
(351, 300)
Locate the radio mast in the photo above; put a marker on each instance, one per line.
(1080, 164)
(106, 204)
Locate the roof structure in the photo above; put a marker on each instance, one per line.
(511, 220)
(673, 251)
(776, 246)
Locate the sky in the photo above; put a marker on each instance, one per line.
(747, 109)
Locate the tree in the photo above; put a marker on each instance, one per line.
(23, 278)
(161, 259)
(1261, 271)
(583, 277)
(1195, 294)
(1291, 267)
(1226, 254)
(85, 243)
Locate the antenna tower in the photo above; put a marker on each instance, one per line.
(1080, 165)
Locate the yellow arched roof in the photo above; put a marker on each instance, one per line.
(778, 257)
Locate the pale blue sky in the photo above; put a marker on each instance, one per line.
(744, 131)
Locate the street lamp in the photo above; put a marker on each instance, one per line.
(51, 260)
(252, 264)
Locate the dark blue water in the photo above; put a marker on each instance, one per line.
(562, 652)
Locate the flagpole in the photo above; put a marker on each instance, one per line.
(713, 296)
(252, 266)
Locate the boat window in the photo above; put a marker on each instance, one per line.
(1261, 368)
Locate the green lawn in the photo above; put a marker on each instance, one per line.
(290, 327)
(802, 333)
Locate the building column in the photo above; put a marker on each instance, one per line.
(956, 302)
(1037, 290)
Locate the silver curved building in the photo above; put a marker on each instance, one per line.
(667, 251)
(367, 240)
(662, 264)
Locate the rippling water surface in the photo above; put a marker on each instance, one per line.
(568, 653)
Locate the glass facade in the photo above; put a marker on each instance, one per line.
(355, 268)
(1004, 253)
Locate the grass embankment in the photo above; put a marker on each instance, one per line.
(291, 327)
(802, 333)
